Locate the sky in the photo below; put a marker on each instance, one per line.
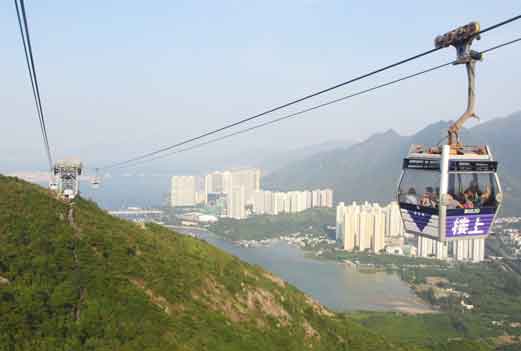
(121, 78)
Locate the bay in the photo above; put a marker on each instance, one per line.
(334, 284)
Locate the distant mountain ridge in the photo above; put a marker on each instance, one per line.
(277, 159)
(369, 170)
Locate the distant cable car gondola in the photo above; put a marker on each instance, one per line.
(67, 176)
(96, 180)
(451, 192)
(53, 184)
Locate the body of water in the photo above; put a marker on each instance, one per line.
(145, 191)
(334, 284)
(118, 192)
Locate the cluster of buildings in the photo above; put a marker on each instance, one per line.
(273, 203)
(367, 227)
(237, 194)
(470, 250)
(509, 233)
(371, 227)
(229, 192)
(226, 192)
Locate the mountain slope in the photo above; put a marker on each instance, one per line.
(277, 159)
(503, 134)
(72, 277)
(370, 170)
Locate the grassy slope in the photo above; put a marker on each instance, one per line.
(99, 283)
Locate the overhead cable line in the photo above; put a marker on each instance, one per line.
(316, 107)
(500, 24)
(29, 57)
(293, 102)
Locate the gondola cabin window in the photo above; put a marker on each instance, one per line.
(472, 201)
(471, 190)
(420, 187)
(419, 197)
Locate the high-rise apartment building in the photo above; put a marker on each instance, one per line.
(326, 198)
(471, 250)
(432, 248)
(309, 198)
(393, 220)
(351, 225)
(249, 179)
(315, 198)
(362, 227)
(237, 203)
(264, 202)
(267, 202)
(200, 197)
(182, 191)
(365, 228)
(378, 234)
(322, 198)
(224, 182)
(279, 202)
(259, 202)
(340, 213)
(214, 182)
(297, 201)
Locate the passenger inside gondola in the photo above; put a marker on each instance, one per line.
(466, 190)
(428, 198)
(469, 199)
(417, 188)
(473, 196)
(410, 198)
(487, 199)
(452, 203)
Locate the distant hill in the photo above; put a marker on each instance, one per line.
(73, 277)
(370, 170)
(277, 159)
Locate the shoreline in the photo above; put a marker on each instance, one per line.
(416, 306)
(170, 226)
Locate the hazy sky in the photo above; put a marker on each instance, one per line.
(119, 78)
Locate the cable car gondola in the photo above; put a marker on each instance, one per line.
(67, 174)
(451, 192)
(96, 180)
(53, 184)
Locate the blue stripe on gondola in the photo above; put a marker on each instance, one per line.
(423, 209)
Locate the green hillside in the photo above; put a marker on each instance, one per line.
(369, 170)
(74, 278)
(313, 220)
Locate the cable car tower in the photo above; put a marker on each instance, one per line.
(66, 178)
(452, 192)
